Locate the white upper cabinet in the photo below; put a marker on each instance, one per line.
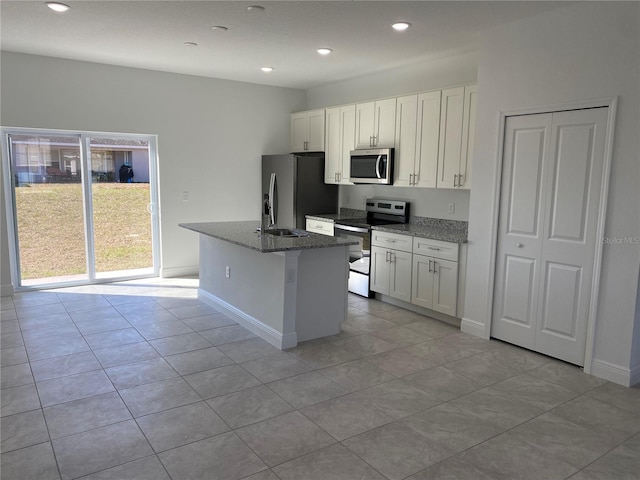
(307, 131)
(457, 128)
(432, 134)
(376, 124)
(340, 133)
(417, 137)
(405, 150)
(468, 135)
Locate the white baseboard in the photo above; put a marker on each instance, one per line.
(613, 373)
(275, 338)
(6, 290)
(473, 328)
(179, 271)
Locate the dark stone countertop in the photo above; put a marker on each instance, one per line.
(245, 234)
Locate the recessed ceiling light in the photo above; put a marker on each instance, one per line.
(58, 7)
(190, 44)
(324, 51)
(221, 28)
(255, 8)
(267, 69)
(401, 26)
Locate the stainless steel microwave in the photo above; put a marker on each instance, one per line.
(372, 166)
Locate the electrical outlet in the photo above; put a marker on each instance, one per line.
(185, 196)
(227, 271)
(452, 208)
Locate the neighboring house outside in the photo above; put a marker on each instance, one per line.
(59, 160)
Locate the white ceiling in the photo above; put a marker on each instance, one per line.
(151, 35)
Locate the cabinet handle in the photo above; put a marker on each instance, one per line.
(411, 179)
(519, 245)
(460, 182)
(454, 180)
(434, 266)
(390, 240)
(433, 248)
(339, 176)
(392, 257)
(430, 265)
(386, 256)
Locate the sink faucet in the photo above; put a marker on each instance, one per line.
(266, 214)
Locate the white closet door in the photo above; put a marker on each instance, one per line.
(520, 237)
(552, 174)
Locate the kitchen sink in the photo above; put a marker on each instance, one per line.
(286, 232)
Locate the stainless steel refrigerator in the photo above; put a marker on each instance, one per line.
(295, 188)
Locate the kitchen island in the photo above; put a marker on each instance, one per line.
(284, 289)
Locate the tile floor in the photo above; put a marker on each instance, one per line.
(140, 381)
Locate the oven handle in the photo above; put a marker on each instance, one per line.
(350, 228)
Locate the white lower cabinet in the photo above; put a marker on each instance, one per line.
(391, 273)
(435, 284)
(391, 264)
(416, 270)
(319, 226)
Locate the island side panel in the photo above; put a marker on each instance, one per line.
(322, 293)
(253, 294)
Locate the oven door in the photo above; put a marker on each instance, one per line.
(359, 257)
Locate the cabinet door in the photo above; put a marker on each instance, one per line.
(450, 144)
(379, 271)
(348, 140)
(422, 281)
(298, 131)
(400, 275)
(315, 137)
(385, 123)
(427, 139)
(333, 147)
(445, 287)
(405, 149)
(468, 135)
(365, 113)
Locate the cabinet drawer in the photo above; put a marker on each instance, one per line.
(395, 241)
(318, 226)
(436, 248)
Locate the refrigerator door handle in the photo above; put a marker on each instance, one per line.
(272, 191)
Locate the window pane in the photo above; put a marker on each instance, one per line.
(121, 195)
(47, 173)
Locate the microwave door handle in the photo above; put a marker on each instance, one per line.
(272, 190)
(378, 161)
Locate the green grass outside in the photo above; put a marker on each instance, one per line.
(51, 228)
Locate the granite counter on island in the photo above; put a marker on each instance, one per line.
(284, 289)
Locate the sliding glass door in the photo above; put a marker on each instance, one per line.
(82, 206)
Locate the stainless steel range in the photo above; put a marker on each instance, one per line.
(379, 211)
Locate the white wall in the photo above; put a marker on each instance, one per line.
(422, 77)
(211, 133)
(577, 53)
